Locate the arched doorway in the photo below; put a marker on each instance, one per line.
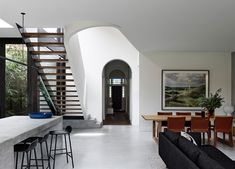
(117, 91)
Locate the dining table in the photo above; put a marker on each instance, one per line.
(157, 121)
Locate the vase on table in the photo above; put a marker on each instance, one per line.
(211, 113)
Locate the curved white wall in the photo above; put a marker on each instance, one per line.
(92, 49)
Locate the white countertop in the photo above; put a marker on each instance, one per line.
(16, 128)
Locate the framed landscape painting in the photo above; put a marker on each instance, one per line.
(182, 89)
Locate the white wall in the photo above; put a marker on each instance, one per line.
(100, 45)
(219, 65)
(77, 67)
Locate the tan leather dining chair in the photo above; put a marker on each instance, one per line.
(183, 114)
(198, 113)
(176, 124)
(164, 123)
(224, 125)
(187, 123)
(202, 125)
(165, 113)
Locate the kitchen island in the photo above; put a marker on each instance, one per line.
(14, 129)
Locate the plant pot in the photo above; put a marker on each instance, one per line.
(211, 113)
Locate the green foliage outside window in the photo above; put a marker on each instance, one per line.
(16, 80)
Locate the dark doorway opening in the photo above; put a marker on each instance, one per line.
(117, 98)
(117, 76)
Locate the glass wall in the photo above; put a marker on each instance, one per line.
(16, 80)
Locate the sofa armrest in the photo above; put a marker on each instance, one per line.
(173, 157)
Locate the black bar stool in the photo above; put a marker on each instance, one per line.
(64, 150)
(26, 148)
(41, 140)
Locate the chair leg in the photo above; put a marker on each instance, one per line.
(42, 156)
(54, 152)
(48, 157)
(209, 137)
(70, 145)
(203, 137)
(223, 137)
(215, 138)
(22, 162)
(16, 163)
(29, 160)
(66, 150)
(35, 156)
(231, 139)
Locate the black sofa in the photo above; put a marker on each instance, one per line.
(179, 153)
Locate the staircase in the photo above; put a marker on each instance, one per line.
(49, 55)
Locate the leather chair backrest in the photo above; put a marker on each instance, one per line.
(199, 123)
(176, 123)
(223, 124)
(183, 113)
(165, 113)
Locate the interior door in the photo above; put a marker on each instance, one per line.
(117, 97)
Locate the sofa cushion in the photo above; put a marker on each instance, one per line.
(197, 137)
(189, 149)
(172, 136)
(205, 162)
(188, 137)
(218, 156)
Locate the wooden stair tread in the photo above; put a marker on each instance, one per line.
(60, 85)
(68, 104)
(50, 60)
(56, 73)
(53, 67)
(66, 100)
(73, 117)
(65, 104)
(41, 34)
(72, 113)
(47, 52)
(58, 100)
(43, 104)
(55, 44)
(59, 80)
(62, 90)
(61, 96)
(70, 108)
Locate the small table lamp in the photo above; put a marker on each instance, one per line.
(229, 109)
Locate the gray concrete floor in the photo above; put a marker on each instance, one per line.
(117, 147)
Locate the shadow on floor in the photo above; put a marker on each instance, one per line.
(117, 118)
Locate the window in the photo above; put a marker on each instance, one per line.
(15, 80)
(110, 91)
(123, 91)
(116, 81)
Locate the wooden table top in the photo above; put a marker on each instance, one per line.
(155, 117)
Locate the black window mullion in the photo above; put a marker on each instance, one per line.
(2, 81)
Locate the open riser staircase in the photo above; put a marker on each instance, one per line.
(49, 55)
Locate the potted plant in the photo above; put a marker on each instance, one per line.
(212, 102)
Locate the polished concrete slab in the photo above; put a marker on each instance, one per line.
(117, 147)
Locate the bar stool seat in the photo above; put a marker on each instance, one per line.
(22, 147)
(58, 132)
(57, 151)
(26, 149)
(41, 140)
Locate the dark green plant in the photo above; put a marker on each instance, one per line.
(212, 102)
(16, 80)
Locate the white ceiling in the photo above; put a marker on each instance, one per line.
(150, 25)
